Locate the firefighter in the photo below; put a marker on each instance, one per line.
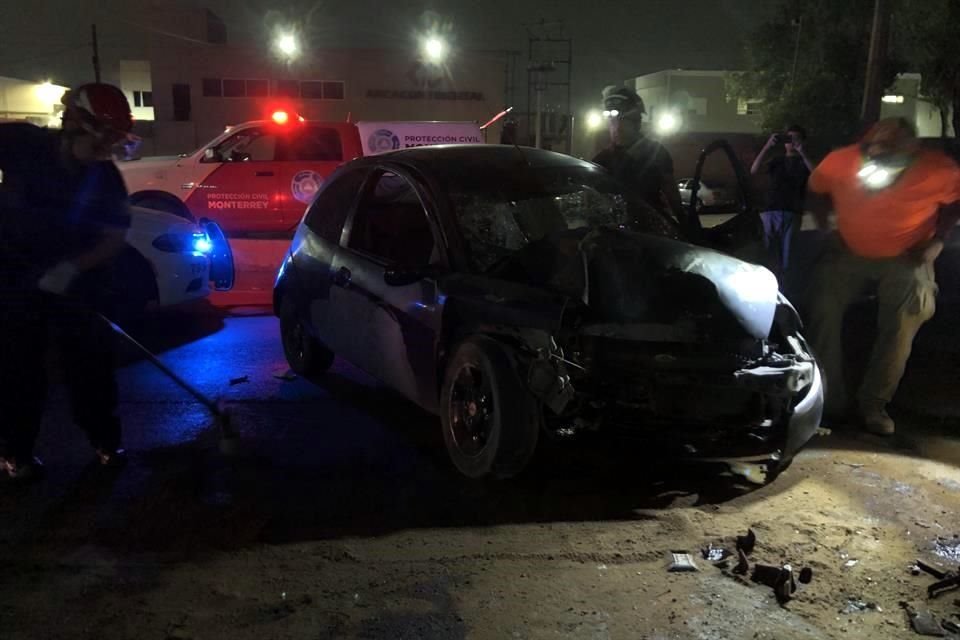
(894, 203)
(642, 165)
(63, 218)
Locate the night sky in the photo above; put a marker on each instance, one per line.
(612, 40)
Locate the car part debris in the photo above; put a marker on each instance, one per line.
(780, 579)
(743, 565)
(946, 580)
(681, 561)
(240, 380)
(748, 542)
(806, 575)
(286, 375)
(715, 554)
(923, 622)
(950, 626)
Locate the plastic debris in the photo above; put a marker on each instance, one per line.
(715, 554)
(851, 563)
(681, 561)
(240, 380)
(806, 575)
(923, 622)
(748, 542)
(743, 565)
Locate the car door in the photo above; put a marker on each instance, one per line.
(240, 194)
(309, 153)
(395, 327)
(315, 253)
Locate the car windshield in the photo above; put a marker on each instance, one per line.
(499, 214)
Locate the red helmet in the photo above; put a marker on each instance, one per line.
(101, 108)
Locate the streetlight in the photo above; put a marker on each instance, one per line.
(50, 93)
(668, 123)
(594, 120)
(434, 49)
(287, 45)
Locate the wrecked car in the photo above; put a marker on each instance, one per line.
(518, 295)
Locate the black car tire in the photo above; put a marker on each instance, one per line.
(304, 353)
(510, 415)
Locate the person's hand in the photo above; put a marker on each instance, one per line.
(57, 279)
(928, 252)
(798, 145)
(772, 141)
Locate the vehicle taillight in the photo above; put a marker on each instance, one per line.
(280, 117)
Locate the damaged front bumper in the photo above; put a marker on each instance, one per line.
(687, 406)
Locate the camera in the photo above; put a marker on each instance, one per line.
(783, 136)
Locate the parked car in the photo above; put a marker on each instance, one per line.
(259, 177)
(708, 196)
(514, 294)
(169, 261)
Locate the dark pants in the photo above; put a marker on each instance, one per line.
(30, 320)
(906, 294)
(779, 228)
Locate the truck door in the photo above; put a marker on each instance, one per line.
(309, 153)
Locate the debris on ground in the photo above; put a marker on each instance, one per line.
(806, 575)
(853, 465)
(743, 565)
(950, 626)
(747, 542)
(287, 375)
(851, 563)
(780, 579)
(946, 580)
(240, 380)
(681, 561)
(715, 554)
(856, 605)
(923, 622)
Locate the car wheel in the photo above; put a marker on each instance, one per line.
(490, 422)
(304, 353)
(167, 205)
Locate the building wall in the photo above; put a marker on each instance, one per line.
(377, 85)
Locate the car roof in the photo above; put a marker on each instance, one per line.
(495, 157)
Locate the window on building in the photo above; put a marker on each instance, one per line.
(181, 102)
(288, 88)
(311, 90)
(333, 91)
(212, 87)
(143, 98)
(748, 107)
(234, 88)
(258, 88)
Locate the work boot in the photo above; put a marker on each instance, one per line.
(878, 422)
(18, 471)
(112, 458)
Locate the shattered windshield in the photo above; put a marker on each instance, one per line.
(499, 217)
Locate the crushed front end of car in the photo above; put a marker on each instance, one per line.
(688, 350)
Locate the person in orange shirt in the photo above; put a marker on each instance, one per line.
(894, 204)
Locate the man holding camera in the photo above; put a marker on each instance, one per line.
(783, 211)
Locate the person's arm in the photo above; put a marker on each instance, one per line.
(758, 162)
(798, 147)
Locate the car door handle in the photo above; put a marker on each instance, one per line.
(264, 174)
(342, 277)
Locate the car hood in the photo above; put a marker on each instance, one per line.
(633, 279)
(153, 223)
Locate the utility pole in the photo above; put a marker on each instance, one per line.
(96, 52)
(879, 38)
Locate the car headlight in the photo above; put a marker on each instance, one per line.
(196, 242)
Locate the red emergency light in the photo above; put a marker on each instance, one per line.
(280, 117)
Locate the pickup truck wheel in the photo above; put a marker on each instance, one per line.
(490, 421)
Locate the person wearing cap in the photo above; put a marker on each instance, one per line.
(63, 218)
(894, 203)
(642, 165)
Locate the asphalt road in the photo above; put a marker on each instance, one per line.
(341, 517)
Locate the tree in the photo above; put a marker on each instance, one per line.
(928, 34)
(824, 95)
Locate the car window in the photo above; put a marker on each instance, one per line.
(332, 205)
(391, 225)
(500, 213)
(314, 144)
(250, 145)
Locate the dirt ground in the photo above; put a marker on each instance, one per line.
(354, 526)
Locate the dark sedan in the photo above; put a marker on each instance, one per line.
(518, 295)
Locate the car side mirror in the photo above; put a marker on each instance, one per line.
(398, 276)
